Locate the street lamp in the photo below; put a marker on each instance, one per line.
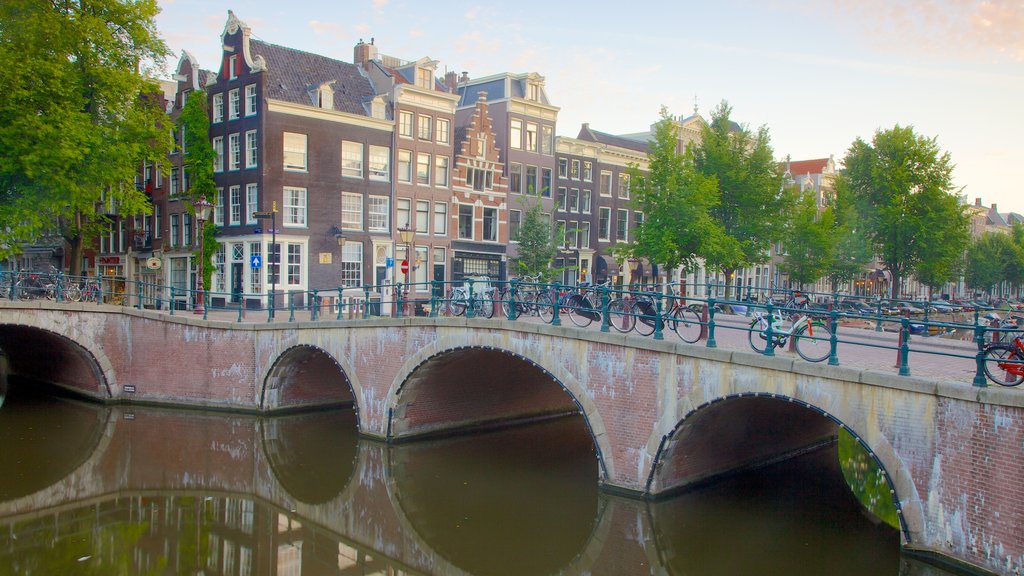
(202, 209)
(634, 265)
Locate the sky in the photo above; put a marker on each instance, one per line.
(818, 74)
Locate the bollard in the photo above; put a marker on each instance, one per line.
(904, 346)
(769, 333)
(979, 358)
(555, 319)
(711, 324)
(366, 301)
(833, 341)
(605, 300)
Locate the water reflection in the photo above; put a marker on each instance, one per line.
(171, 492)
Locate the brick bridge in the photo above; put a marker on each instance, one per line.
(662, 415)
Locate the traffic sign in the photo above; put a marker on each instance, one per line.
(405, 266)
(256, 262)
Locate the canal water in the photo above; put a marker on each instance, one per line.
(88, 489)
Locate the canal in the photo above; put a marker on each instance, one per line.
(90, 489)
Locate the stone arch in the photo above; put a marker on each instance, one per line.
(42, 353)
(488, 340)
(901, 485)
(306, 376)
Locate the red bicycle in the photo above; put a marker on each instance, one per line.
(1004, 362)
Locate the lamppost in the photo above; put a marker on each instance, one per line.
(634, 265)
(202, 209)
(406, 233)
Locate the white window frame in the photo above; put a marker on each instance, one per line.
(441, 172)
(218, 108)
(234, 104)
(235, 201)
(250, 99)
(218, 154)
(293, 152)
(532, 138)
(424, 127)
(405, 120)
(351, 211)
(423, 160)
(604, 235)
(218, 208)
(378, 213)
(351, 159)
(440, 218)
(405, 158)
(294, 209)
(234, 151)
(515, 134)
(442, 130)
(251, 202)
(622, 215)
(251, 149)
(379, 163)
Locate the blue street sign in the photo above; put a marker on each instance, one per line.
(256, 262)
(389, 262)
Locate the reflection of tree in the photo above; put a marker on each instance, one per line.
(866, 479)
(82, 550)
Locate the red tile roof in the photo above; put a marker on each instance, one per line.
(799, 167)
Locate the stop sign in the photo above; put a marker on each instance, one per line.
(405, 266)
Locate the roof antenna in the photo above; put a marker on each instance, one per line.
(694, 103)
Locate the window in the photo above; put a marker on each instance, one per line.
(606, 183)
(531, 137)
(560, 233)
(380, 163)
(515, 134)
(424, 128)
(294, 264)
(404, 213)
(423, 168)
(175, 229)
(623, 185)
(547, 139)
(515, 178)
(638, 219)
(545, 182)
(405, 124)
(621, 225)
(584, 234)
(234, 104)
(441, 171)
(533, 92)
(424, 78)
(352, 265)
(234, 152)
(233, 67)
(491, 224)
(574, 171)
(442, 127)
(235, 214)
(294, 151)
(250, 100)
(585, 202)
(255, 274)
(439, 265)
(218, 108)
(574, 200)
(174, 182)
(251, 197)
(218, 209)
(560, 199)
(218, 259)
(294, 207)
(352, 211)
(422, 217)
(604, 216)
(251, 149)
(351, 159)
(479, 178)
(515, 219)
(588, 171)
(466, 221)
(572, 237)
(218, 155)
(404, 166)
(531, 181)
(186, 230)
(563, 168)
(440, 218)
(378, 213)
(156, 219)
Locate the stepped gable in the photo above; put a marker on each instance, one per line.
(291, 74)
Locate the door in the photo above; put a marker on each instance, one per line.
(237, 269)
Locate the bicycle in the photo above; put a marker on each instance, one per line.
(1003, 362)
(483, 302)
(812, 338)
(579, 305)
(525, 300)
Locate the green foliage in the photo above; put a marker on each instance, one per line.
(199, 154)
(76, 118)
(676, 200)
(852, 252)
(810, 240)
(866, 479)
(902, 184)
(538, 243)
(991, 259)
(752, 204)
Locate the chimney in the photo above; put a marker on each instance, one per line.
(464, 78)
(363, 53)
(994, 208)
(451, 81)
(977, 202)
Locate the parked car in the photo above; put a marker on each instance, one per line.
(946, 303)
(908, 309)
(857, 307)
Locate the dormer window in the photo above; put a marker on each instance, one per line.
(323, 96)
(533, 92)
(424, 78)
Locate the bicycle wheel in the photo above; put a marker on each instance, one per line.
(507, 306)
(72, 293)
(485, 306)
(546, 306)
(645, 318)
(813, 342)
(1005, 354)
(577, 309)
(456, 306)
(757, 337)
(686, 324)
(620, 315)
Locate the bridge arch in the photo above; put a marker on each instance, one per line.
(515, 356)
(798, 425)
(305, 376)
(42, 353)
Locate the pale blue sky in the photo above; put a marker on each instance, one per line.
(818, 74)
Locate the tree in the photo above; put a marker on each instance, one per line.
(987, 260)
(537, 244)
(78, 115)
(751, 207)
(199, 156)
(810, 240)
(902, 185)
(677, 230)
(852, 252)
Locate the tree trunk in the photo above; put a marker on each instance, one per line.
(75, 244)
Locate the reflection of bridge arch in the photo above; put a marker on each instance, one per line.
(753, 429)
(448, 404)
(306, 375)
(44, 353)
(313, 456)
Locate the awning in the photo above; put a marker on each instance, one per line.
(604, 265)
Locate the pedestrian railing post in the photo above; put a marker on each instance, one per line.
(206, 303)
(400, 302)
(658, 321)
(291, 306)
(138, 294)
(605, 300)
(979, 357)
(172, 302)
(833, 340)
(434, 285)
(340, 303)
(513, 293)
(556, 301)
(241, 310)
(316, 306)
(270, 307)
(471, 298)
(711, 343)
(905, 347)
(769, 333)
(366, 301)
(878, 316)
